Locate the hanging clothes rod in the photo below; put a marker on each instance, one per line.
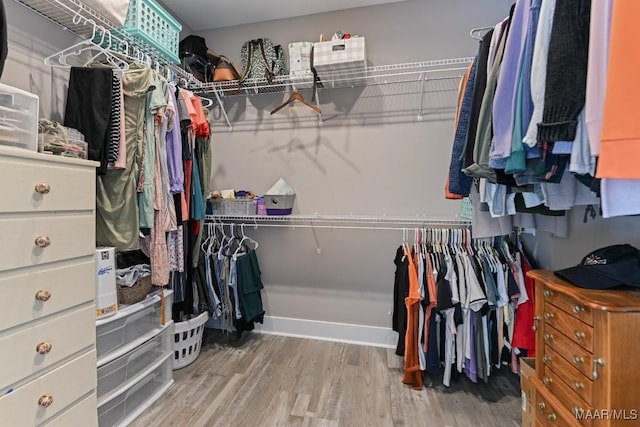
(360, 220)
(329, 227)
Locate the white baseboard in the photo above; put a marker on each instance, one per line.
(329, 331)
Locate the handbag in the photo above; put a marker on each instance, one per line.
(225, 71)
(262, 59)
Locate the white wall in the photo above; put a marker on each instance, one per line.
(373, 169)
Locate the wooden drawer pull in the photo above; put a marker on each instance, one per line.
(578, 309)
(577, 411)
(548, 293)
(542, 406)
(596, 362)
(43, 241)
(579, 335)
(549, 316)
(43, 296)
(44, 348)
(536, 319)
(43, 188)
(547, 380)
(578, 386)
(547, 359)
(552, 417)
(578, 360)
(548, 337)
(45, 401)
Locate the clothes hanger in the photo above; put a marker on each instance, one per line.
(476, 33)
(296, 96)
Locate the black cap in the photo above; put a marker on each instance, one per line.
(606, 268)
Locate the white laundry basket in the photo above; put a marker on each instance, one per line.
(187, 340)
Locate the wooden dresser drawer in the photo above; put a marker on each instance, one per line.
(26, 406)
(578, 331)
(568, 304)
(549, 411)
(581, 384)
(58, 338)
(66, 285)
(573, 353)
(82, 414)
(566, 393)
(61, 187)
(69, 236)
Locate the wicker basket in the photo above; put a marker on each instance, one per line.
(188, 340)
(136, 293)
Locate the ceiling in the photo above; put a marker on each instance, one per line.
(209, 14)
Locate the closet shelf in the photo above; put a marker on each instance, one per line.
(293, 220)
(82, 20)
(415, 72)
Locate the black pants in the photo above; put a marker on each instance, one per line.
(89, 110)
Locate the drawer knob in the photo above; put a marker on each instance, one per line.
(578, 360)
(549, 316)
(542, 406)
(578, 386)
(548, 293)
(43, 296)
(43, 241)
(579, 335)
(577, 411)
(43, 188)
(552, 417)
(547, 380)
(547, 359)
(548, 337)
(578, 309)
(44, 348)
(536, 319)
(599, 362)
(45, 401)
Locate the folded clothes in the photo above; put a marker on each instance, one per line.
(129, 276)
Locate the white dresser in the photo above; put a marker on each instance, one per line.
(47, 289)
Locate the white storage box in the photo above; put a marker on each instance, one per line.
(338, 56)
(128, 367)
(300, 73)
(106, 291)
(279, 204)
(128, 328)
(18, 118)
(133, 399)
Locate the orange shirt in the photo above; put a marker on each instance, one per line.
(412, 373)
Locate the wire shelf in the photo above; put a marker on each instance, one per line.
(370, 220)
(80, 19)
(415, 72)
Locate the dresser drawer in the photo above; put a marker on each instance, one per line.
(69, 236)
(60, 287)
(31, 186)
(547, 415)
(26, 406)
(578, 331)
(565, 394)
(57, 338)
(83, 414)
(570, 305)
(582, 385)
(573, 353)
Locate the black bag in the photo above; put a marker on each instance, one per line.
(194, 58)
(192, 45)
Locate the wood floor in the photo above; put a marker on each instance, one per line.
(266, 380)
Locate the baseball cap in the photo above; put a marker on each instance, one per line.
(606, 268)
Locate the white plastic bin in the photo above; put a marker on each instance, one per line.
(18, 118)
(126, 329)
(133, 399)
(128, 367)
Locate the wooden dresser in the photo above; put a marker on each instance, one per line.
(587, 346)
(47, 289)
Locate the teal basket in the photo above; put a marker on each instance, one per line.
(149, 22)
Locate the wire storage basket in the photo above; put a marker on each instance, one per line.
(188, 340)
(234, 206)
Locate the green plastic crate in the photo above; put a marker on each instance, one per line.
(149, 22)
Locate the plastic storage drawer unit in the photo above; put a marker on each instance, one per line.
(133, 399)
(128, 367)
(18, 118)
(126, 329)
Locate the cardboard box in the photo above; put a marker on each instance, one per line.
(528, 392)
